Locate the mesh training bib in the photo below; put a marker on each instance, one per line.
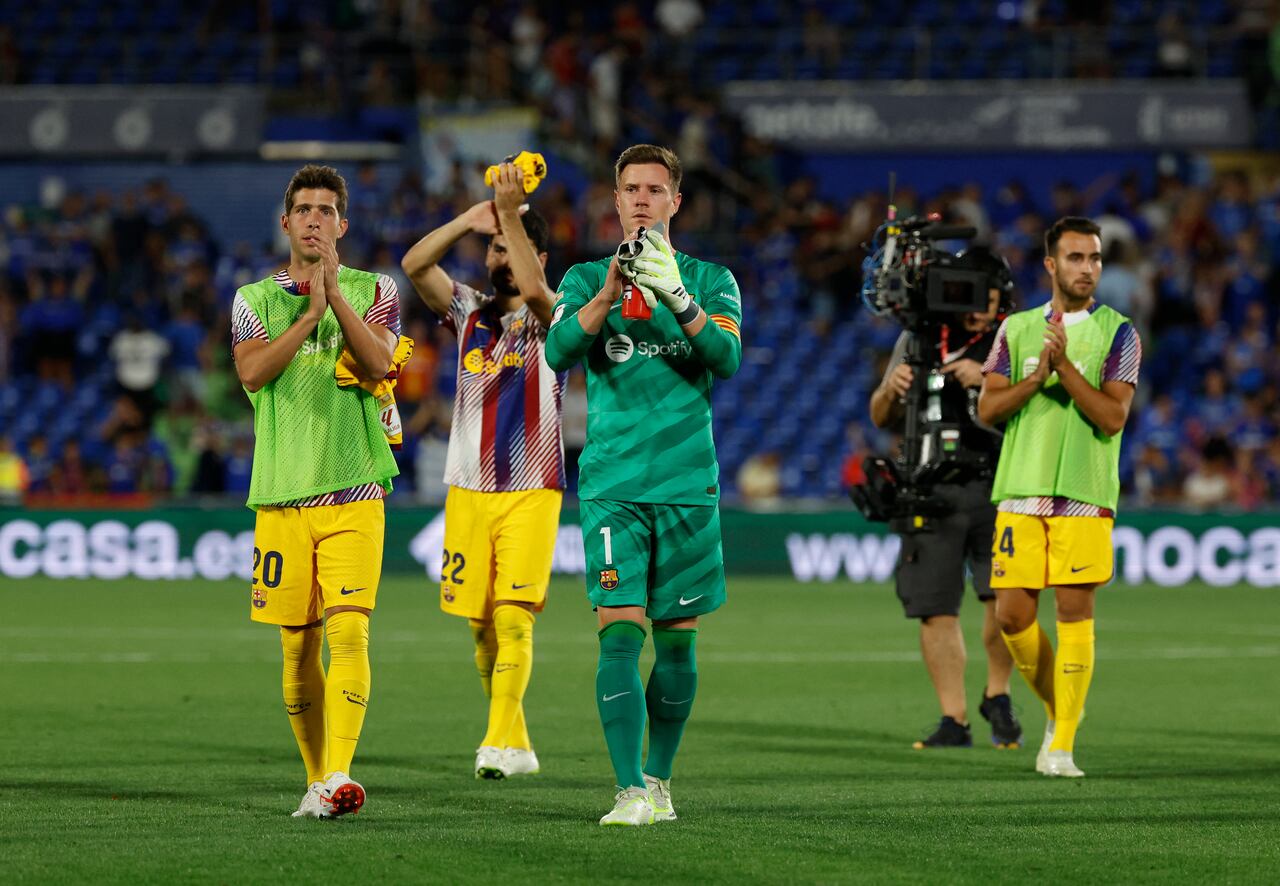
(1050, 448)
(310, 435)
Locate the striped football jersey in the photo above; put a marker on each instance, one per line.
(506, 413)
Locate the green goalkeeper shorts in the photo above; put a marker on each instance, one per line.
(666, 558)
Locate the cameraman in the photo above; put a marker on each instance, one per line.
(931, 567)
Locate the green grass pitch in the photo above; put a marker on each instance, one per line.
(144, 742)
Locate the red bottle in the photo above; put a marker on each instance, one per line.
(634, 306)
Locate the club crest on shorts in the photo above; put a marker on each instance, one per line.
(608, 579)
(259, 596)
(997, 568)
(448, 594)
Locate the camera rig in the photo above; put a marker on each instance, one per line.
(926, 289)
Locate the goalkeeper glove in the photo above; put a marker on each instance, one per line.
(656, 269)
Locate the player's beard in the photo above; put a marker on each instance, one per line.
(1072, 297)
(503, 282)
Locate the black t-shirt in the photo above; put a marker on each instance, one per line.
(956, 398)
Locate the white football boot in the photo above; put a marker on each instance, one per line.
(519, 761)
(632, 806)
(1042, 758)
(341, 795)
(1059, 764)
(660, 794)
(490, 762)
(311, 805)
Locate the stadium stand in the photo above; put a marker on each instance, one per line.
(114, 349)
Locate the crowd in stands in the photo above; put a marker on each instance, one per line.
(115, 366)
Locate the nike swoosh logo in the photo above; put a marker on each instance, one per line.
(1075, 569)
(684, 602)
(612, 697)
(346, 590)
(516, 587)
(666, 700)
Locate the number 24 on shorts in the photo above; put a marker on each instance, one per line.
(1006, 541)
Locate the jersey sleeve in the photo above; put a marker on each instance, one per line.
(245, 323)
(567, 341)
(718, 345)
(1125, 356)
(385, 310)
(465, 300)
(998, 357)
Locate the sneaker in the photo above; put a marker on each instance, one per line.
(519, 761)
(311, 805)
(1059, 764)
(632, 806)
(1006, 731)
(489, 762)
(341, 795)
(1042, 758)
(660, 795)
(949, 734)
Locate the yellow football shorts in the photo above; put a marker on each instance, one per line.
(306, 560)
(1039, 552)
(497, 546)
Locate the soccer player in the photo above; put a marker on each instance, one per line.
(1063, 376)
(930, 575)
(505, 465)
(649, 480)
(321, 467)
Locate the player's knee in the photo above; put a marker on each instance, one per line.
(347, 632)
(621, 639)
(512, 623)
(1012, 618)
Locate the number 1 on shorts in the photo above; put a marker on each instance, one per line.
(608, 545)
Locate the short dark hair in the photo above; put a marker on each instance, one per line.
(537, 229)
(313, 175)
(650, 154)
(1073, 223)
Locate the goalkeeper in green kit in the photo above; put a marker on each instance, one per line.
(649, 485)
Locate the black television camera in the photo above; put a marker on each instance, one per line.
(927, 290)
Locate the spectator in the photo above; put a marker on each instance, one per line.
(1212, 483)
(139, 354)
(14, 478)
(760, 479)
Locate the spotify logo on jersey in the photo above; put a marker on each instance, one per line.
(619, 348)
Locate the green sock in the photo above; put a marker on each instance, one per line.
(620, 698)
(669, 698)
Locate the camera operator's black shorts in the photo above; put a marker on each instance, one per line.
(931, 565)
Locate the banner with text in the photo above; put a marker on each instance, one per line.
(996, 115)
(837, 546)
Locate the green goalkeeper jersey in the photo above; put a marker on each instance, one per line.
(649, 386)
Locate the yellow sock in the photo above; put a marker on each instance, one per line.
(486, 651)
(1071, 679)
(304, 694)
(1033, 654)
(513, 626)
(346, 691)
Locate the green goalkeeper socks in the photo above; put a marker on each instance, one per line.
(620, 698)
(669, 698)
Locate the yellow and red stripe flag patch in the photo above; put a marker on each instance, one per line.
(728, 324)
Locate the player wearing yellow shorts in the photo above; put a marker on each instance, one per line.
(1063, 376)
(505, 466)
(321, 466)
